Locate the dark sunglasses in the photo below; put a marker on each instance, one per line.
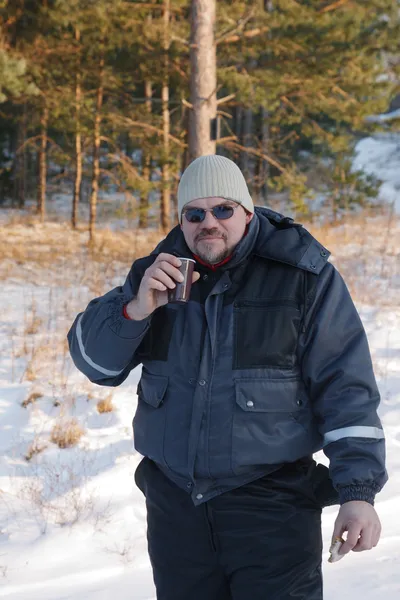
(220, 212)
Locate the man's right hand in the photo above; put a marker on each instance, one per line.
(153, 290)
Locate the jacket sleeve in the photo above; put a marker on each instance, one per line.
(102, 342)
(337, 370)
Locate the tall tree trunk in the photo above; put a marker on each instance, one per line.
(146, 156)
(263, 165)
(146, 162)
(41, 197)
(19, 166)
(264, 136)
(166, 183)
(22, 178)
(247, 164)
(238, 130)
(247, 161)
(96, 149)
(203, 78)
(78, 140)
(14, 145)
(185, 120)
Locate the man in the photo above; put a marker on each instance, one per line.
(267, 363)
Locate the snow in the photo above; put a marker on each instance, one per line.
(380, 156)
(384, 117)
(72, 522)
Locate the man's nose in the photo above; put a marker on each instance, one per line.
(209, 219)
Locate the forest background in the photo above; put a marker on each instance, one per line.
(116, 98)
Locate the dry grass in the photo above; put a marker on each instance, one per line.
(34, 326)
(66, 433)
(106, 405)
(35, 448)
(30, 373)
(22, 351)
(59, 491)
(31, 399)
(366, 250)
(55, 246)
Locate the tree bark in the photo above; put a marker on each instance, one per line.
(184, 126)
(78, 140)
(41, 199)
(22, 179)
(247, 164)
(96, 149)
(19, 163)
(41, 196)
(146, 161)
(247, 161)
(166, 183)
(238, 130)
(203, 78)
(264, 165)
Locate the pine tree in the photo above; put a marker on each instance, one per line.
(16, 86)
(294, 85)
(317, 73)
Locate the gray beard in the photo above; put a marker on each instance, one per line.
(210, 255)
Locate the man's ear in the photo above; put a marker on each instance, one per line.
(249, 217)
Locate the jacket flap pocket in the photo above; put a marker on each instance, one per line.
(269, 395)
(152, 388)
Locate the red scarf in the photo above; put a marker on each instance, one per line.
(212, 267)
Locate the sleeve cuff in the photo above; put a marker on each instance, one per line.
(127, 328)
(125, 313)
(364, 493)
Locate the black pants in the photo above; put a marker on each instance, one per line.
(261, 541)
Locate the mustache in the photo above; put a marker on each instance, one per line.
(212, 232)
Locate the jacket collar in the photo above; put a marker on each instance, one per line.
(283, 240)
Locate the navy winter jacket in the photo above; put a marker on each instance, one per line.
(266, 364)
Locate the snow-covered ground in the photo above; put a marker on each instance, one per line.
(380, 156)
(72, 522)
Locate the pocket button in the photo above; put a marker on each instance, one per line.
(250, 403)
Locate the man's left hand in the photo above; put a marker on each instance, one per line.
(362, 524)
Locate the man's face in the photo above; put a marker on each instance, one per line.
(213, 239)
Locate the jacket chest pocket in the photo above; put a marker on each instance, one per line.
(265, 333)
(149, 419)
(270, 421)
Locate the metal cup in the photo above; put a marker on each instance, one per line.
(181, 291)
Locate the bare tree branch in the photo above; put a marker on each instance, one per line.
(246, 34)
(333, 6)
(131, 123)
(239, 26)
(31, 142)
(254, 152)
(225, 99)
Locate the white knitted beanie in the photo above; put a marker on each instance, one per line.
(213, 175)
